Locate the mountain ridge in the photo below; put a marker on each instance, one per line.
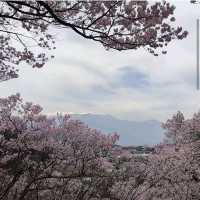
(147, 132)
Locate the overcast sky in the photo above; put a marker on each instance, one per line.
(134, 85)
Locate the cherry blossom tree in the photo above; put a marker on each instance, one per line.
(49, 158)
(171, 172)
(45, 157)
(176, 162)
(119, 25)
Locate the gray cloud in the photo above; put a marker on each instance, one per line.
(130, 77)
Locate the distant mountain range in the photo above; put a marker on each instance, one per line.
(131, 132)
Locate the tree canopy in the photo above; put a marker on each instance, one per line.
(118, 25)
(48, 158)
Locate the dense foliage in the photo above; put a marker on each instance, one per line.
(58, 158)
(48, 158)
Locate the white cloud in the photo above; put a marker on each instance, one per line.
(84, 77)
